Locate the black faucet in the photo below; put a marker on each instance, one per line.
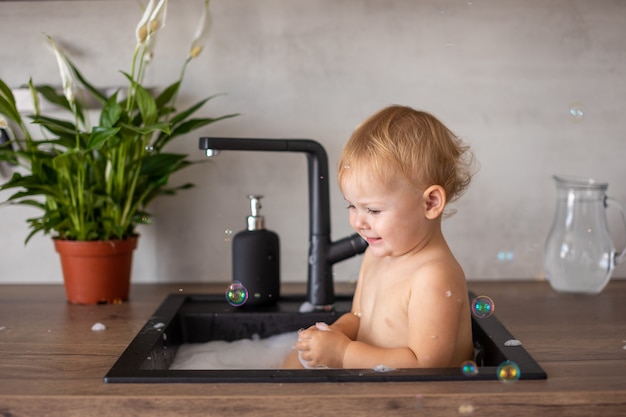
(322, 252)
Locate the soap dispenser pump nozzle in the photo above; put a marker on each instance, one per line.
(255, 220)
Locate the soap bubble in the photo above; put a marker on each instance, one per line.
(469, 368)
(504, 255)
(236, 294)
(483, 306)
(576, 112)
(149, 148)
(145, 220)
(227, 235)
(508, 372)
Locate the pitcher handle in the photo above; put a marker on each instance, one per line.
(619, 257)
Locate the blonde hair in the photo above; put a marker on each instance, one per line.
(415, 144)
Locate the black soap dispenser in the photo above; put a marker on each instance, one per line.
(256, 258)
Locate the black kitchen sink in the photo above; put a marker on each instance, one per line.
(199, 318)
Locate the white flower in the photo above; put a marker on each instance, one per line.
(107, 171)
(67, 75)
(152, 20)
(142, 27)
(157, 18)
(197, 45)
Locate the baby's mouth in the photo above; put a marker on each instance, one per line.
(372, 240)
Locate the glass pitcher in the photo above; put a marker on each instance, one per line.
(579, 255)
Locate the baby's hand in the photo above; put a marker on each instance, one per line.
(321, 347)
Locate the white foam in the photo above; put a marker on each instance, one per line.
(254, 353)
(512, 342)
(383, 368)
(97, 327)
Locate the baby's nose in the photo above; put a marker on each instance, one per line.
(359, 221)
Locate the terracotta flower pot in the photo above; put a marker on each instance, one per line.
(96, 272)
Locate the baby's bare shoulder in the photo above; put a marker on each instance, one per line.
(437, 274)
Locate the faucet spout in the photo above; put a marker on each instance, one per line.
(323, 253)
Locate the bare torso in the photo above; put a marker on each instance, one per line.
(420, 302)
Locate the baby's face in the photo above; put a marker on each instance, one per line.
(389, 215)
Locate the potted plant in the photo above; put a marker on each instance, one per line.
(92, 184)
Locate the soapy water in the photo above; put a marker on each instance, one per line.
(483, 306)
(236, 294)
(253, 353)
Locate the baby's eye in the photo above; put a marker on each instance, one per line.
(350, 206)
(372, 211)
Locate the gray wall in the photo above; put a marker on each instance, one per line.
(502, 74)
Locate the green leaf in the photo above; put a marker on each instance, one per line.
(65, 141)
(158, 164)
(33, 203)
(167, 95)
(191, 110)
(111, 112)
(55, 126)
(146, 130)
(94, 91)
(8, 154)
(7, 104)
(144, 101)
(99, 136)
(6, 91)
(51, 95)
(190, 125)
(147, 105)
(194, 124)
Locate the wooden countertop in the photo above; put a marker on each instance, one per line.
(53, 364)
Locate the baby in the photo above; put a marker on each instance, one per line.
(410, 308)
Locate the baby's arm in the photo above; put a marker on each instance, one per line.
(334, 350)
(439, 327)
(348, 324)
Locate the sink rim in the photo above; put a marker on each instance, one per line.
(128, 367)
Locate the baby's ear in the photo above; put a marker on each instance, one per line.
(435, 201)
